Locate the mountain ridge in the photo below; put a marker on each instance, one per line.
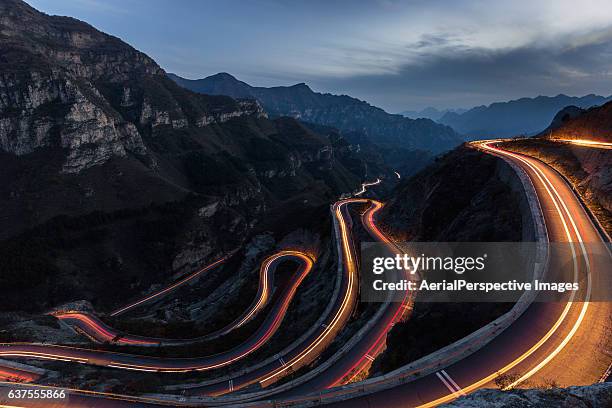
(523, 116)
(341, 111)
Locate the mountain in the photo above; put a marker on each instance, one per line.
(112, 176)
(340, 111)
(430, 113)
(525, 116)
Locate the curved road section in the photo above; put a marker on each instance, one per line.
(145, 363)
(95, 329)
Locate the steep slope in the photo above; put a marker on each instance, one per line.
(525, 116)
(464, 196)
(340, 111)
(110, 169)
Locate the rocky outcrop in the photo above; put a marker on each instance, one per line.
(591, 396)
(452, 200)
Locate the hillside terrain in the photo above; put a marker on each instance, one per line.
(575, 123)
(590, 396)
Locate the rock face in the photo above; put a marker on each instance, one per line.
(591, 396)
(340, 111)
(65, 84)
(525, 116)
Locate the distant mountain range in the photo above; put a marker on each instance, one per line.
(525, 116)
(340, 111)
(430, 113)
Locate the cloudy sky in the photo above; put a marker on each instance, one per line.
(395, 54)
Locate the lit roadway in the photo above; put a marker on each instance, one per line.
(145, 363)
(586, 143)
(358, 357)
(363, 353)
(95, 329)
(567, 342)
(322, 336)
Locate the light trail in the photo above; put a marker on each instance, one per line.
(398, 175)
(177, 365)
(171, 287)
(401, 307)
(586, 143)
(97, 330)
(585, 304)
(17, 375)
(346, 307)
(364, 186)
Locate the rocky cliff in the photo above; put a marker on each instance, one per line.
(65, 84)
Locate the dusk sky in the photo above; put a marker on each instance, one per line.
(393, 54)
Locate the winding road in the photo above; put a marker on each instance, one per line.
(567, 341)
(95, 329)
(176, 365)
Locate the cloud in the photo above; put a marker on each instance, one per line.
(462, 76)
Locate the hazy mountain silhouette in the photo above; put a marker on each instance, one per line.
(526, 116)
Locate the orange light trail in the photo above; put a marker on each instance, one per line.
(171, 287)
(345, 308)
(586, 143)
(378, 344)
(100, 332)
(71, 353)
